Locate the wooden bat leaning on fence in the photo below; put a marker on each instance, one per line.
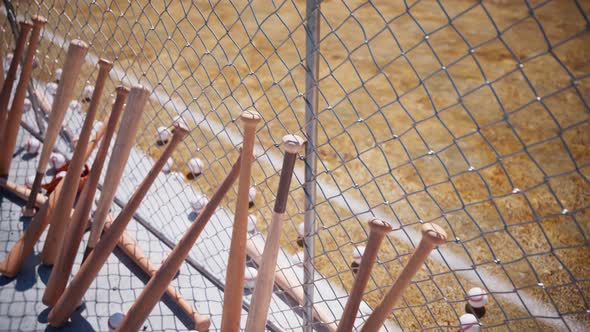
(73, 294)
(432, 235)
(123, 144)
(25, 28)
(12, 125)
(159, 282)
(378, 230)
(24, 246)
(63, 266)
(234, 280)
(61, 217)
(266, 272)
(72, 66)
(131, 249)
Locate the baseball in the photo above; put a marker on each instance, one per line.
(29, 181)
(468, 323)
(32, 145)
(251, 195)
(168, 166)
(163, 135)
(195, 166)
(357, 254)
(477, 297)
(87, 93)
(57, 160)
(75, 106)
(27, 105)
(57, 75)
(252, 223)
(301, 229)
(115, 320)
(51, 88)
(199, 204)
(250, 277)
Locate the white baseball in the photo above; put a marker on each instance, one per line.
(252, 223)
(29, 181)
(168, 166)
(58, 73)
(88, 91)
(27, 105)
(57, 160)
(468, 323)
(250, 277)
(163, 134)
(301, 229)
(51, 88)
(199, 204)
(477, 297)
(75, 106)
(357, 254)
(32, 145)
(195, 165)
(252, 194)
(115, 320)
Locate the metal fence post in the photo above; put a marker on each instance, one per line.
(312, 30)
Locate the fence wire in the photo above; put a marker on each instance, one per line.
(470, 114)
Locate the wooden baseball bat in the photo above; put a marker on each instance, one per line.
(159, 282)
(378, 230)
(2, 32)
(12, 124)
(72, 66)
(432, 235)
(123, 144)
(61, 217)
(25, 28)
(63, 267)
(24, 246)
(266, 272)
(73, 294)
(234, 281)
(133, 251)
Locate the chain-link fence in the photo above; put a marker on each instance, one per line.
(470, 114)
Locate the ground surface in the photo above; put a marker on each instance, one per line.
(481, 126)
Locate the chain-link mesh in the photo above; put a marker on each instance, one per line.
(470, 114)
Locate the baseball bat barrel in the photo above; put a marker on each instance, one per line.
(61, 217)
(25, 28)
(160, 281)
(75, 291)
(432, 235)
(63, 267)
(134, 251)
(123, 144)
(234, 281)
(72, 66)
(378, 230)
(10, 130)
(266, 272)
(2, 59)
(13, 262)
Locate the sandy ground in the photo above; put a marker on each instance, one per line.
(487, 136)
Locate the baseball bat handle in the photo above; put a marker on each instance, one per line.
(432, 235)
(378, 230)
(266, 273)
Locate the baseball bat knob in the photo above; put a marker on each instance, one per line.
(105, 63)
(38, 20)
(380, 226)
(180, 131)
(250, 117)
(77, 43)
(293, 143)
(433, 234)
